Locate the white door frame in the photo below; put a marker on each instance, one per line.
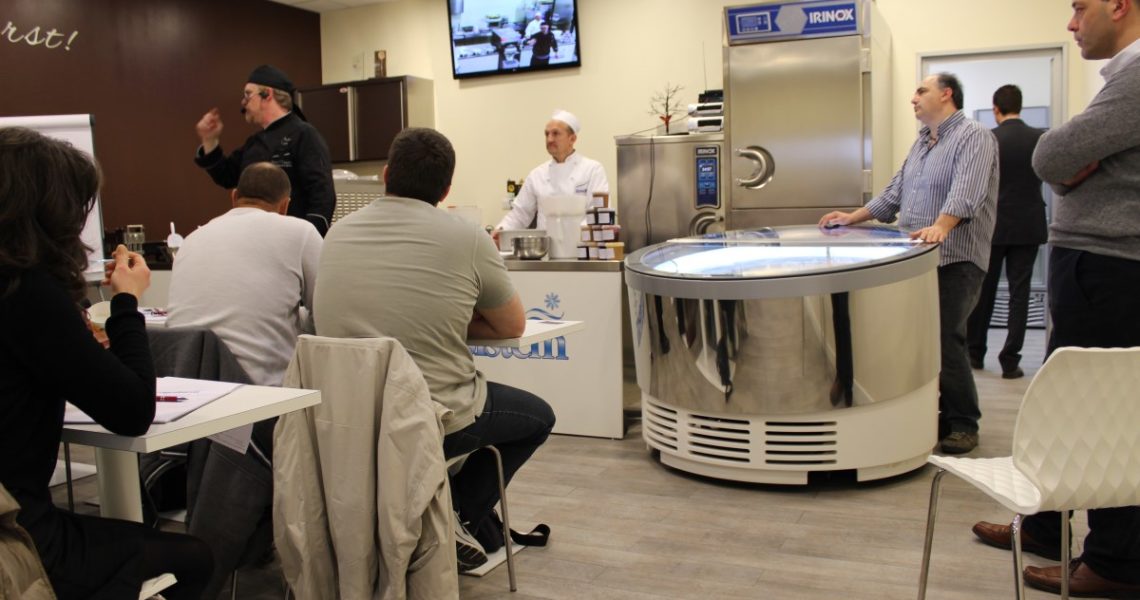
(1060, 78)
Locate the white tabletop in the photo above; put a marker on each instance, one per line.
(247, 404)
(536, 331)
(115, 455)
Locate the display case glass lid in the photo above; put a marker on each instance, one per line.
(775, 252)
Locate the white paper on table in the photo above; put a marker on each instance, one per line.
(197, 393)
(236, 439)
(154, 315)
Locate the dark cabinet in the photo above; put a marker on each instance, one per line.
(327, 109)
(359, 119)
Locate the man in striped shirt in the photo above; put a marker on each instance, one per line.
(946, 192)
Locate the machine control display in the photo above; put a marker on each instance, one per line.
(757, 22)
(791, 20)
(708, 177)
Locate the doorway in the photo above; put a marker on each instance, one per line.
(1039, 72)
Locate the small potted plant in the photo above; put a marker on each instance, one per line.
(665, 105)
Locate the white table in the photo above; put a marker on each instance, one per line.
(579, 375)
(535, 331)
(115, 455)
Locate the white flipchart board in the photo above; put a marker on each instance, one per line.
(75, 129)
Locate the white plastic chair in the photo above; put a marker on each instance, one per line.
(1076, 445)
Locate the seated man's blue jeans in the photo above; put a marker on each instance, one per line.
(516, 422)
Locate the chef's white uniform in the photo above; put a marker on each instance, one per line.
(533, 27)
(578, 175)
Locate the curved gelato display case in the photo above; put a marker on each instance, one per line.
(764, 355)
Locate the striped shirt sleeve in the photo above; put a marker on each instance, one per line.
(957, 175)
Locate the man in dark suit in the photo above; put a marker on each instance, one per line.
(1019, 231)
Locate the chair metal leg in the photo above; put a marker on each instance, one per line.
(67, 471)
(1018, 563)
(233, 585)
(506, 519)
(1066, 555)
(931, 514)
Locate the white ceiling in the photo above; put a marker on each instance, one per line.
(322, 6)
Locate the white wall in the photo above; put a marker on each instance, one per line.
(925, 26)
(981, 77)
(630, 50)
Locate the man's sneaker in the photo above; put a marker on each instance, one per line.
(468, 551)
(959, 442)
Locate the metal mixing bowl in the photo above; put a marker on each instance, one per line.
(530, 247)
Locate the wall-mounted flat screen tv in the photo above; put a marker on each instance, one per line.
(490, 37)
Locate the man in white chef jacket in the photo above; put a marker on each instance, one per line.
(533, 26)
(566, 173)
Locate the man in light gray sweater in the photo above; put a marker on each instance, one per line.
(1093, 164)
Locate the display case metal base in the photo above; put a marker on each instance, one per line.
(875, 441)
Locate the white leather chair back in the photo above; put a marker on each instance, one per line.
(1077, 436)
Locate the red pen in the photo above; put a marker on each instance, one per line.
(169, 398)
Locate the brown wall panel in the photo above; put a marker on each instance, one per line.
(148, 70)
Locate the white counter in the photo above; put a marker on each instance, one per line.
(579, 375)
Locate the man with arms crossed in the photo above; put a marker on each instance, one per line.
(946, 192)
(400, 267)
(1093, 164)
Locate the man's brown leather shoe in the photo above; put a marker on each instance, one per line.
(1083, 582)
(1000, 536)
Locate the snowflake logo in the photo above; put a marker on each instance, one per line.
(552, 301)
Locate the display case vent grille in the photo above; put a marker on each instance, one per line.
(660, 425)
(715, 439)
(800, 442)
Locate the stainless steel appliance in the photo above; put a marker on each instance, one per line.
(807, 93)
(669, 186)
(354, 194)
(764, 355)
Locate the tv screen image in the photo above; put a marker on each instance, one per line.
(490, 37)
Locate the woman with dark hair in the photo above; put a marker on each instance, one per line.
(47, 355)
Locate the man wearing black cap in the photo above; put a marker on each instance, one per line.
(286, 140)
(544, 42)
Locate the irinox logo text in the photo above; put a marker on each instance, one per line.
(838, 15)
(554, 349)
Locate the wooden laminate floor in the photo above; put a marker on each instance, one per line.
(626, 527)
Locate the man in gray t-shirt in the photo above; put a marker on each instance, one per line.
(401, 267)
